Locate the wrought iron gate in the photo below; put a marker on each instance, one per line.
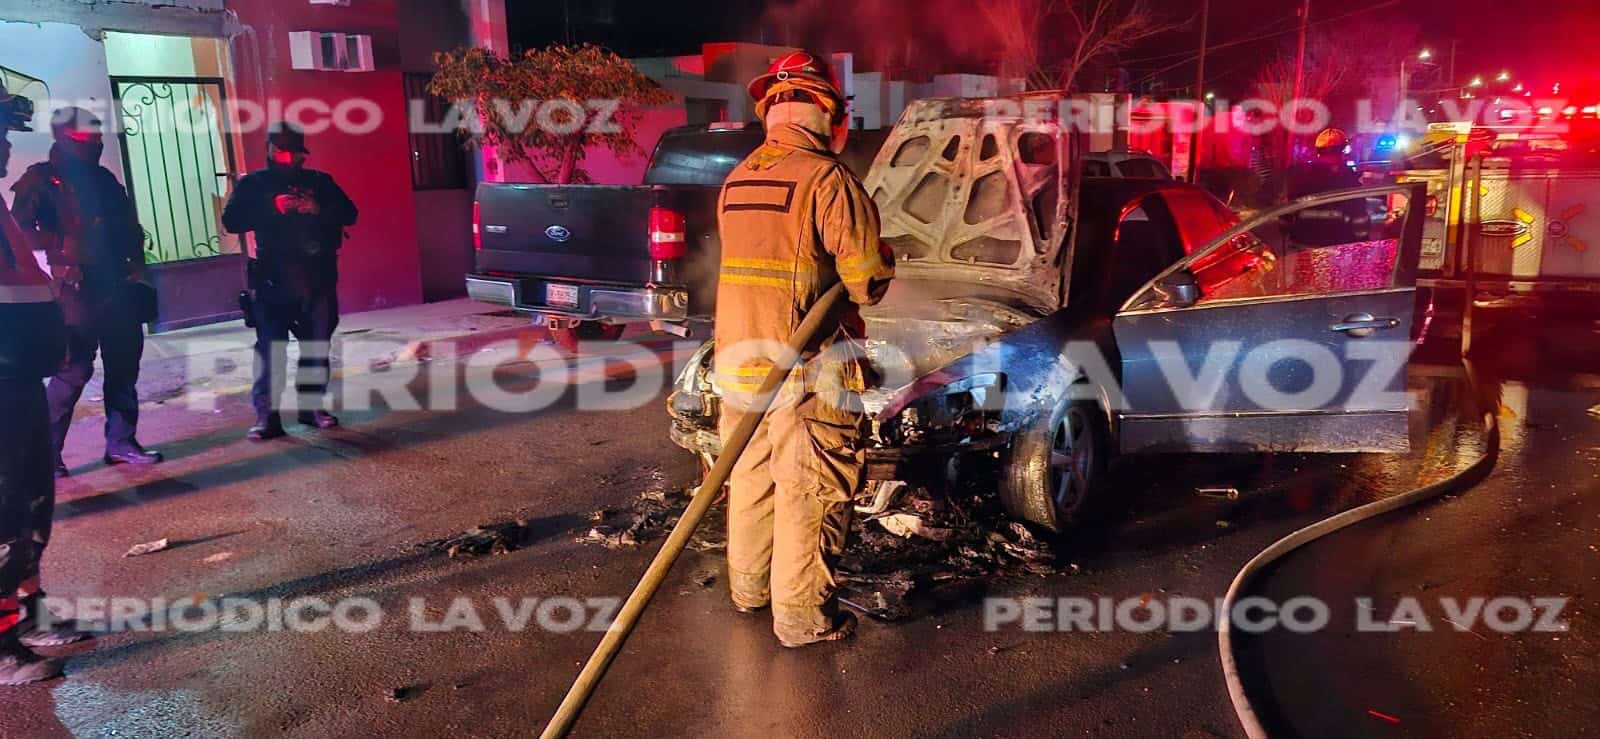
(179, 164)
(178, 158)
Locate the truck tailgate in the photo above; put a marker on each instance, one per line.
(582, 233)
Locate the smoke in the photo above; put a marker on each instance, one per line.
(906, 38)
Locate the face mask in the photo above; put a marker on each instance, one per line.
(283, 158)
(87, 152)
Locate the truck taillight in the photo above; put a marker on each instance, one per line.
(477, 226)
(668, 239)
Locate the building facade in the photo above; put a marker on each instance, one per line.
(187, 88)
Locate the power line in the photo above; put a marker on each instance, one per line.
(1193, 57)
(1174, 54)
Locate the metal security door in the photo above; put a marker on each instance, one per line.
(180, 165)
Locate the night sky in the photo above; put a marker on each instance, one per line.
(1539, 40)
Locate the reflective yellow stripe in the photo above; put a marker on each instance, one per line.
(786, 266)
(863, 275)
(748, 378)
(780, 273)
(782, 283)
(862, 267)
(754, 370)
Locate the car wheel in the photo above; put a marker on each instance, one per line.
(1054, 470)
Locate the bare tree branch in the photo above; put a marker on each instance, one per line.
(1101, 30)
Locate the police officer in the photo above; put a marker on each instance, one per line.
(794, 222)
(86, 223)
(299, 216)
(33, 342)
(1329, 170)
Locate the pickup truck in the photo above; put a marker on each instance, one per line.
(592, 258)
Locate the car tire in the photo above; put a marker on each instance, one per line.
(1053, 473)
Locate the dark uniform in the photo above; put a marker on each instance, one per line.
(294, 277)
(85, 221)
(33, 341)
(1320, 176)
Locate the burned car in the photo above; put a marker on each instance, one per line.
(1043, 322)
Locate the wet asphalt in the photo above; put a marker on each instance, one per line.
(339, 515)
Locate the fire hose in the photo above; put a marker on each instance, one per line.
(628, 616)
(1461, 480)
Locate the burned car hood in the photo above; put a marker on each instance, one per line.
(923, 325)
(978, 192)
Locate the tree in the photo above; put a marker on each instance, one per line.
(1099, 28)
(1081, 31)
(546, 107)
(1344, 62)
(1017, 27)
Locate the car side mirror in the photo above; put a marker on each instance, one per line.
(1178, 290)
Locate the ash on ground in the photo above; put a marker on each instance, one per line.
(932, 552)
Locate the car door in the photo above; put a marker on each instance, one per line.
(1290, 332)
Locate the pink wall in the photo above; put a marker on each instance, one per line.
(379, 266)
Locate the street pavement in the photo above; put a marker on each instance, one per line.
(341, 514)
(1531, 531)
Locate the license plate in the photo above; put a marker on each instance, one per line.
(566, 295)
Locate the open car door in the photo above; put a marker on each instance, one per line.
(1289, 332)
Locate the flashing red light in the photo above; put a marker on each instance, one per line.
(477, 226)
(668, 239)
(1431, 206)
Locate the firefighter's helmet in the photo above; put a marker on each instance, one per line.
(1331, 139)
(803, 76)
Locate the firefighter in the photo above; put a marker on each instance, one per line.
(86, 222)
(794, 221)
(299, 216)
(1328, 170)
(33, 342)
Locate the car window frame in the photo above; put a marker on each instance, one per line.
(1414, 191)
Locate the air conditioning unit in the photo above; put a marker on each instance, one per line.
(329, 51)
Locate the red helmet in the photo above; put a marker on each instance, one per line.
(797, 64)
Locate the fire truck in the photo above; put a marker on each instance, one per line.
(1513, 217)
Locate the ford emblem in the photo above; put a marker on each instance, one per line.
(558, 233)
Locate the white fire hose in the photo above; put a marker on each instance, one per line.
(1462, 480)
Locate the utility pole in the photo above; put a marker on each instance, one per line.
(1400, 102)
(1451, 82)
(1299, 82)
(1200, 93)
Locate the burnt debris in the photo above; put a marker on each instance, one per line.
(925, 556)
